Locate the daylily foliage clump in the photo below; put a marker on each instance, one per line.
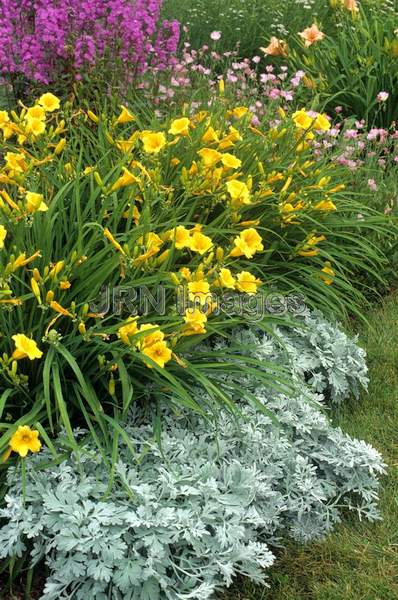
(96, 207)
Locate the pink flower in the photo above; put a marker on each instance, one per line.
(288, 96)
(372, 185)
(274, 93)
(215, 35)
(382, 96)
(350, 134)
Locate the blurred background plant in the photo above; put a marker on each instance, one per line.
(356, 65)
(241, 23)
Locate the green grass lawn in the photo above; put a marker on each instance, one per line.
(359, 561)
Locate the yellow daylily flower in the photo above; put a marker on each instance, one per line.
(209, 156)
(25, 440)
(35, 202)
(124, 180)
(129, 329)
(226, 279)
(231, 161)
(154, 336)
(15, 162)
(49, 102)
(3, 234)
(180, 126)
(247, 283)
(238, 112)
(25, 347)
(153, 142)
(152, 243)
(35, 112)
(200, 243)
(239, 192)
(36, 127)
(22, 261)
(125, 116)
(195, 321)
(210, 135)
(180, 236)
(247, 243)
(199, 290)
(326, 205)
(301, 119)
(159, 352)
(4, 118)
(329, 273)
(321, 123)
(186, 273)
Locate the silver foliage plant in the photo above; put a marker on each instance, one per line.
(313, 349)
(332, 362)
(212, 501)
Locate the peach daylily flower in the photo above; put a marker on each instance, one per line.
(311, 35)
(351, 5)
(276, 48)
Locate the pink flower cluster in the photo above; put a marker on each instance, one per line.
(46, 39)
(248, 80)
(364, 152)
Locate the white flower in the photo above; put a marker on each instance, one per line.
(382, 96)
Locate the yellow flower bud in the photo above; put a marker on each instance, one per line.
(109, 138)
(98, 180)
(60, 146)
(394, 48)
(57, 268)
(174, 279)
(219, 254)
(36, 274)
(49, 296)
(92, 116)
(209, 258)
(199, 273)
(163, 257)
(60, 128)
(60, 309)
(82, 328)
(35, 289)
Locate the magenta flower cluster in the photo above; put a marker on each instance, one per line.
(46, 39)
